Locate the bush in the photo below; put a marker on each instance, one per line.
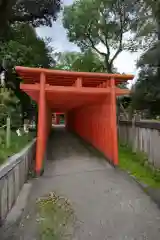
(17, 143)
(2, 137)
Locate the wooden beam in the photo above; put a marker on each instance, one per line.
(94, 75)
(35, 87)
(88, 90)
(120, 91)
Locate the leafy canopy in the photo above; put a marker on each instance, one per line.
(145, 95)
(78, 61)
(146, 92)
(38, 12)
(23, 47)
(109, 22)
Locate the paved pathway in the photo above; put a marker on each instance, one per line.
(108, 204)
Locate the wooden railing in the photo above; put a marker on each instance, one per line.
(13, 175)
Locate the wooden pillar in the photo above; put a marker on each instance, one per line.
(57, 119)
(113, 122)
(78, 82)
(41, 126)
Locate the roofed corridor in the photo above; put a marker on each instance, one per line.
(88, 100)
(109, 205)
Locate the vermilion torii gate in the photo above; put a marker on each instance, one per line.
(58, 117)
(88, 100)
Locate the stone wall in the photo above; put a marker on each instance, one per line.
(13, 175)
(142, 136)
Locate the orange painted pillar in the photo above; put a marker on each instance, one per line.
(48, 123)
(41, 126)
(78, 83)
(114, 123)
(57, 119)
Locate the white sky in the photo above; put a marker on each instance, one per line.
(125, 62)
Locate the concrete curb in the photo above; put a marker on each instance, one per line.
(153, 193)
(15, 215)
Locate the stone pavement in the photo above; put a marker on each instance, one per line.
(109, 205)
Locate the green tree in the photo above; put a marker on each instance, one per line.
(39, 12)
(148, 20)
(87, 61)
(150, 28)
(146, 92)
(109, 22)
(145, 95)
(24, 48)
(9, 106)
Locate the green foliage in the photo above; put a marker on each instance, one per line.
(146, 92)
(2, 137)
(87, 61)
(137, 165)
(37, 12)
(90, 22)
(145, 25)
(55, 218)
(17, 143)
(23, 47)
(148, 17)
(9, 106)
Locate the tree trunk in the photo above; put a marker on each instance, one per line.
(109, 67)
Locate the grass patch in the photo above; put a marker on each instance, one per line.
(137, 165)
(17, 144)
(55, 218)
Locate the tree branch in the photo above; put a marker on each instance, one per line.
(116, 54)
(105, 55)
(105, 34)
(120, 49)
(88, 33)
(101, 39)
(93, 46)
(105, 43)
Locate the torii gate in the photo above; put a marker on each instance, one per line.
(88, 100)
(58, 117)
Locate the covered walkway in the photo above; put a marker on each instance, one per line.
(87, 99)
(108, 204)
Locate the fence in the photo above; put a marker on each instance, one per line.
(13, 175)
(142, 136)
